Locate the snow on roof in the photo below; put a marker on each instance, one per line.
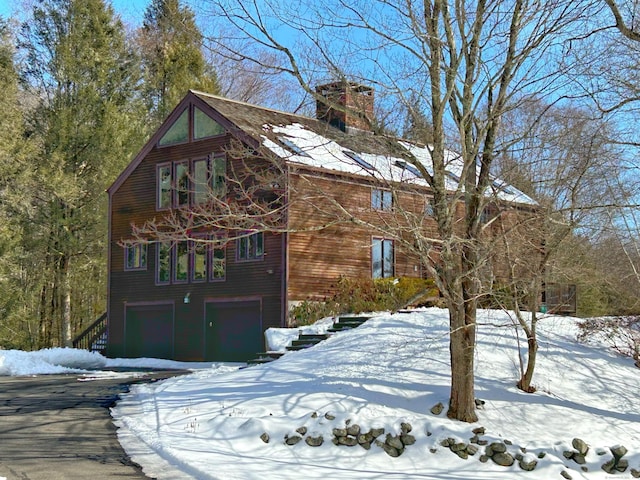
(298, 144)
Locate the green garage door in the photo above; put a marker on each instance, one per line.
(233, 331)
(149, 331)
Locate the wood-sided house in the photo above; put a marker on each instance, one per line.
(191, 300)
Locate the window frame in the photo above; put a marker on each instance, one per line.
(212, 263)
(194, 245)
(176, 257)
(380, 194)
(169, 262)
(140, 252)
(177, 190)
(383, 270)
(250, 256)
(159, 185)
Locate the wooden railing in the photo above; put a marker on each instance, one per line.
(90, 336)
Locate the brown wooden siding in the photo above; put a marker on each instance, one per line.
(135, 202)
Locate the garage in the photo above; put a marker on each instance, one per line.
(233, 330)
(149, 331)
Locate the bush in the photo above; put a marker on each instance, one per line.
(364, 295)
(622, 334)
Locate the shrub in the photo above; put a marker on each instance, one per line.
(364, 295)
(622, 334)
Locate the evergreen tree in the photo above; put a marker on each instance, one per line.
(78, 63)
(172, 58)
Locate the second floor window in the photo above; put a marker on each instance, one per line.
(381, 200)
(182, 183)
(250, 247)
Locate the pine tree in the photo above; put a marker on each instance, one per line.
(172, 58)
(79, 64)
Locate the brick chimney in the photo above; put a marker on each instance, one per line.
(348, 105)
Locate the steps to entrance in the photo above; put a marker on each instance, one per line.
(307, 340)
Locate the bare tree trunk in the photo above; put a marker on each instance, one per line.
(65, 296)
(462, 322)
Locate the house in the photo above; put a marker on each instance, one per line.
(199, 300)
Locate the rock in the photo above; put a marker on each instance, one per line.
(622, 465)
(478, 431)
(433, 450)
(542, 455)
(484, 458)
(348, 441)
(437, 408)
(527, 465)
(488, 451)
(391, 451)
(407, 439)
(335, 441)
(314, 415)
(428, 433)
(406, 427)
(584, 469)
(265, 437)
(365, 438)
(566, 475)
(519, 456)
(474, 439)
(314, 441)
(447, 442)
(479, 403)
(609, 466)
(329, 417)
(601, 451)
(394, 442)
(579, 459)
(482, 442)
(353, 430)
(471, 449)
(508, 442)
(503, 459)
(568, 454)
(339, 432)
(581, 446)
(635, 473)
(462, 454)
(498, 447)
(618, 451)
(376, 432)
(366, 445)
(302, 431)
(457, 447)
(292, 440)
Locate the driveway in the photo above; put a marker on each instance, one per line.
(56, 427)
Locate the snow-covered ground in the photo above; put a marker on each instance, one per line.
(393, 369)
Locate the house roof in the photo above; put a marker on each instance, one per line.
(314, 143)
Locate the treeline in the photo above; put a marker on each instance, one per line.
(80, 94)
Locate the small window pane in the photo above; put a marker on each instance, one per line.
(218, 177)
(181, 273)
(199, 262)
(218, 267)
(204, 126)
(200, 181)
(182, 183)
(163, 265)
(381, 199)
(136, 257)
(178, 132)
(164, 186)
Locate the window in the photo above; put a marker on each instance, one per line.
(287, 142)
(250, 247)
(135, 257)
(358, 159)
(182, 184)
(410, 168)
(164, 186)
(381, 199)
(181, 262)
(163, 263)
(428, 208)
(382, 258)
(204, 126)
(178, 132)
(199, 263)
(218, 264)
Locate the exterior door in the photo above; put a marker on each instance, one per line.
(149, 331)
(233, 331)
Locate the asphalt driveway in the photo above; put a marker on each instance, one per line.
(55, 427)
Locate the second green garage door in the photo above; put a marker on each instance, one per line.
(233, 330)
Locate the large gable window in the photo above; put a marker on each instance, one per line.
(178, 132)
(204, 126)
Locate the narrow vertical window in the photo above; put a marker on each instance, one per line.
(381, 199)
(164, 186)
(218, 176)
(218, 263)
(182, 184)
(200, 181)
(382, 258)
(163, 263)
(250, 247)
(181, 262)
(136, 257)
(199, 264)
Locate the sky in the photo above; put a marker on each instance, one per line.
(226, 422)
